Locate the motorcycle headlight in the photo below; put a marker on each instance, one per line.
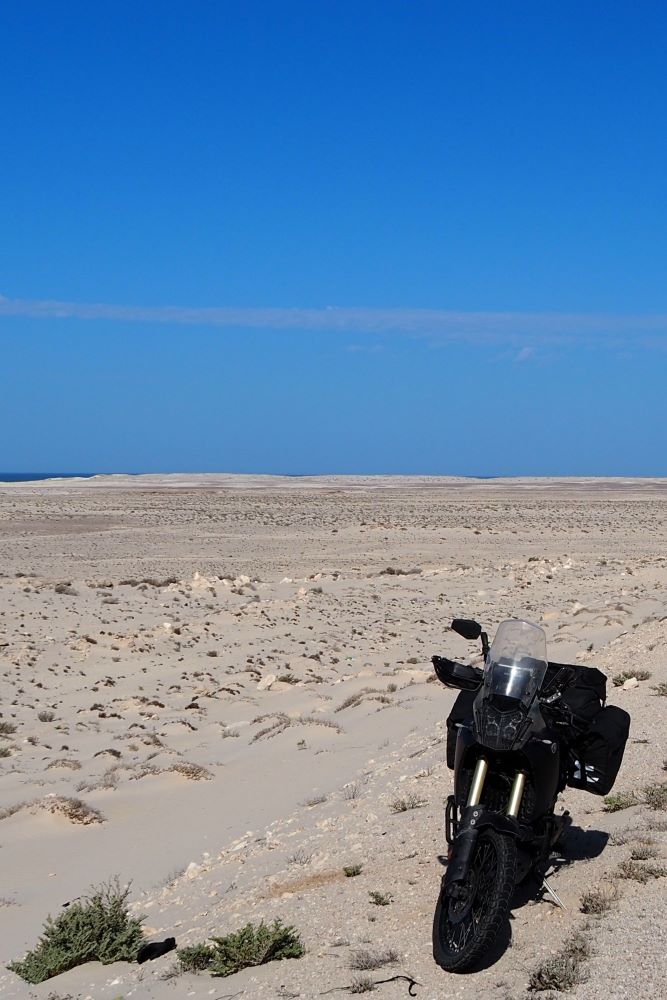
(498, 728)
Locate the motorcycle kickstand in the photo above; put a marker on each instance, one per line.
(554, 895)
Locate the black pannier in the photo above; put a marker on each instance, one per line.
(596, 755)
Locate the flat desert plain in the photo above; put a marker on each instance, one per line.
(218, 688)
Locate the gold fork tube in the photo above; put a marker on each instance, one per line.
(475, 796)
(516, 794)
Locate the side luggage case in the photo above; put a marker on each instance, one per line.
(597, 754)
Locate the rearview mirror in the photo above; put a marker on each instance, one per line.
(467, 628)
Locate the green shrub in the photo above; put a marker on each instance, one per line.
(245, 948)
(380, 898)
(351, 871)
(97, 928)
(621, 800)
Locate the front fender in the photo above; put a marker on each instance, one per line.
(474, 819)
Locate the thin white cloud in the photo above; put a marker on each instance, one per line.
(516, 328)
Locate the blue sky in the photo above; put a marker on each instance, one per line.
(396, 236)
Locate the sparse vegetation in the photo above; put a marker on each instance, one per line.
(621, 800)
(194, 772)
(364, 960)
(5, 752)
(380, 898)
(411, 801)
(626, 675)
(598, 900)
(362, 984)
(250, 946)
(644, 850)
(281, 722)
(351, 871)
(636, 871)
(7, 728)
(660, 689)
(95, 929)
(366, 694)
(46, 716)
(300, 857)
(75, 810)
(655, 796)
(562, 971)
(316, 800)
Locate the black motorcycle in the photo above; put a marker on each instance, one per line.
(521, 729)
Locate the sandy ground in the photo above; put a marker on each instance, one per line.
(232, 676)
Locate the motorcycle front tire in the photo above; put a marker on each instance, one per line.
(467, 921)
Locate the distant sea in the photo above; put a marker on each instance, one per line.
(29, 477)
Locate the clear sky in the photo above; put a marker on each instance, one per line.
(419, 236)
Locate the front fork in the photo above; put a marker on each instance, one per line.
(462, 834)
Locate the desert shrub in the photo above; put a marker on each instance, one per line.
(97, 928)
(656, 795)
(362, 984)
(641, 675)
(5, 752)
(250, 946)
(7, 728)
(351, 871)
(635, 871)
(364, 960)
(411, 801)
(380, 898)
(46, 716)
(195, 958)
(644, 850)
(661, 689)
(597, 901)
(562, 971)
(620, 800)
(75, 810)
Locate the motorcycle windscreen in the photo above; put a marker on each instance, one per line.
(517, 662)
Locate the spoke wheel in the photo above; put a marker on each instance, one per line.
(469, 915)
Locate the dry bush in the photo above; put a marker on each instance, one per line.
(72, 765)
(364, 960)
(641, 675)
(562, 971)
(366, 694)
(655, 796)
(75, 810)
(194, 772)
(598, 900)
(411, 801)
(362, 984)
(281, 722)
(380, 898)
(7, 728)
(635, 871)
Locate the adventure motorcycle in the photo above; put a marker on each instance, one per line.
(521, 729)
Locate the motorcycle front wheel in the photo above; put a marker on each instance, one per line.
(469, 915)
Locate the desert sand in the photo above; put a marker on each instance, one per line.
(218, 688)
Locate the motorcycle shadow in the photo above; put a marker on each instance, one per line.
(581, 845)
